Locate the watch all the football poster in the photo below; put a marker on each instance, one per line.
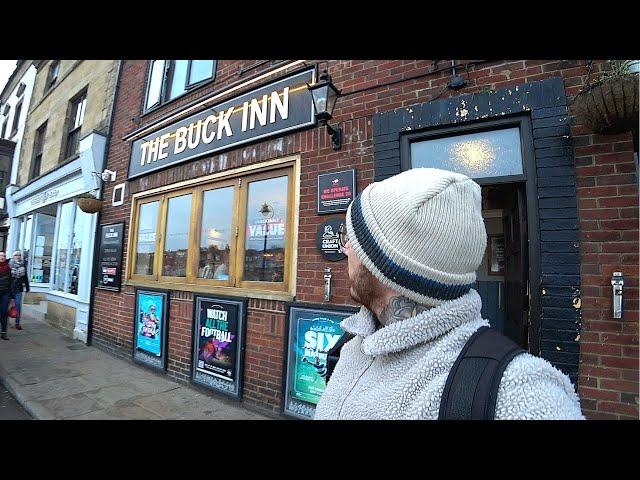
(218, 343)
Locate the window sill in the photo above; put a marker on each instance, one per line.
(213, 290)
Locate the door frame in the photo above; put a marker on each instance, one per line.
(528, 177)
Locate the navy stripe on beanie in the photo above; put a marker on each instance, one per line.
(392, 270)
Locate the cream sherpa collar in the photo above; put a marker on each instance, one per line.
(422, 328)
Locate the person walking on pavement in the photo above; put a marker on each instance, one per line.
(20, 281)
(413, 244)
(6, 294)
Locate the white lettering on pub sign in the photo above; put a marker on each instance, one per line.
(268, 111)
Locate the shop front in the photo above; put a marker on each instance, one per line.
(57, 237)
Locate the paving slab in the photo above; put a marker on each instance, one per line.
(55, 377)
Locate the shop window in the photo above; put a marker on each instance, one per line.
(72, 226)
(168, 79)
(494, 153)
(52, 77)
(74, 125)
(16, 119)
(38, 148)
(42, 244)
(232, 233)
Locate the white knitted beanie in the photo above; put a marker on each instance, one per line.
(420, 233)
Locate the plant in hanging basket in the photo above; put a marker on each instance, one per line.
(88, 203)
(610, 105)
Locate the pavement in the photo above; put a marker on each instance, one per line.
(55, 377)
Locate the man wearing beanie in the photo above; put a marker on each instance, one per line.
(413, 243)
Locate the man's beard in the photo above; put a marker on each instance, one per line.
(365, 288)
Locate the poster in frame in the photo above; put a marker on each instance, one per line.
(496, 254)
(151, 327)
(219, 330)
(311, 331)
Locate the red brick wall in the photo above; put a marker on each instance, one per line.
(608, 211)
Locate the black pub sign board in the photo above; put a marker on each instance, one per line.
(110, 257)
(267, 111)
(335, 191)
(327, 239)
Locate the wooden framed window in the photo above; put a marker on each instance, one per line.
(234, 233)
(74, 125)
(38, 148)
(52, 77)
(16, 119)
(147, 240)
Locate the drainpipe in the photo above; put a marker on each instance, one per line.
(96, 239)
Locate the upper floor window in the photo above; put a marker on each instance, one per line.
(38, 148)
(169, 79)
(16, 119)
(5, 121)
(74, 124)
(54, 70)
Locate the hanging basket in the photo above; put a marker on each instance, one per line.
(89, 204)
(609, 107)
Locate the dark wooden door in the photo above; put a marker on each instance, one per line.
(516, 269)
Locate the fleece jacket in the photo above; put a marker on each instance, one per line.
(398, 372)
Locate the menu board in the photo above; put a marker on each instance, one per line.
(110, 257)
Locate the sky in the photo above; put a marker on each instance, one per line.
(6, 69)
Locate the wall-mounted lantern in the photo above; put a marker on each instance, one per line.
(325, 95)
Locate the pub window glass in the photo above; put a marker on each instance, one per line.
(266, 230)
(178, 82)
(176, 243)
(215, 234)
(146, 241)
(155, 82)
(484, 154)
(200, 70)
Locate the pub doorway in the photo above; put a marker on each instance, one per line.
(502, 279)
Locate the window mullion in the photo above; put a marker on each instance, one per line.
(160, 236)
(193, 242)
(69, 245)
(241, 216)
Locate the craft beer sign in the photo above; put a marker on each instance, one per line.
(267, 111)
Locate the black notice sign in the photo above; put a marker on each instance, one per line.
(335, 191)
(110, 257)
(218, 343)
(327, 239)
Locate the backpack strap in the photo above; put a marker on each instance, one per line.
(333, 355)
(471, 390)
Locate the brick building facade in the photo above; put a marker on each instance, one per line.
(580, 196)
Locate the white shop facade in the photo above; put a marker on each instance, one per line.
(57, 237)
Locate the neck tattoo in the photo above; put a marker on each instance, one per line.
(400, 308)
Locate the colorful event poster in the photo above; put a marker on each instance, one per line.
(315, 337)
(217, 339)
(312, 331)
(149, 322)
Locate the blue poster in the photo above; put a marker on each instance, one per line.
(149, 323)
(315, 337)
